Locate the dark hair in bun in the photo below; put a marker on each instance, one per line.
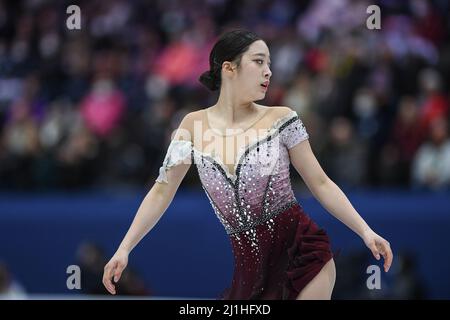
(210, 80)
(229, 47)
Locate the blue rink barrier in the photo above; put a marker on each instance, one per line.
(188, 253)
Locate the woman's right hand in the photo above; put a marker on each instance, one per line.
(114, 268)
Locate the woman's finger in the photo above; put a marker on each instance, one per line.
(387, 255)
(375, 251)
(109, 270)
(118, 273)
(107, 284)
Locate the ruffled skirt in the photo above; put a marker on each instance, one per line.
(282, 259)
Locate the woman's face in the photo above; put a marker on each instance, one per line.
(251, 79)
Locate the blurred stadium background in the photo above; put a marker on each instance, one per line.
(86, 117)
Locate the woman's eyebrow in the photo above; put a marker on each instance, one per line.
(260, 54)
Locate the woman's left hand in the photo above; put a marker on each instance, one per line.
(378, 246)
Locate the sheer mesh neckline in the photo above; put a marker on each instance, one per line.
(243, 149)
(240, 131)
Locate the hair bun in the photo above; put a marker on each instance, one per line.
(209, 80)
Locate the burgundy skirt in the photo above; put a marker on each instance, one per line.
(288, 255)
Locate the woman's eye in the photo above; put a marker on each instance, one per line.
(261, 62)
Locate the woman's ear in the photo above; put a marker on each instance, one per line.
(228, 67)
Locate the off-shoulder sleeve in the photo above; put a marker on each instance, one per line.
(179, 151)
(293, 131)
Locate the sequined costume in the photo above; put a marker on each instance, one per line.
(277, 248)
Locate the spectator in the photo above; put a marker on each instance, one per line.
(431, 167)
(434, 103)
(405, 138)
(10, 289)
(345, 157)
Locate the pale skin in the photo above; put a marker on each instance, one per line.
(235, 108)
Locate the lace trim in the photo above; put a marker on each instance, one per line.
(177, 152)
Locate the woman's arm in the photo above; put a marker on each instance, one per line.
(150, 211)
(334, 200)
(153, 207)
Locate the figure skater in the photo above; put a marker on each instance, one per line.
(242, 151)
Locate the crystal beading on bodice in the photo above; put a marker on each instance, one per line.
(259, 189)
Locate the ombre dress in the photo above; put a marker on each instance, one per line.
(277, 248)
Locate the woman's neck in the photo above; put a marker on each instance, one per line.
(233, 113)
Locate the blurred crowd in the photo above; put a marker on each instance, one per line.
(91, 259)
(95, 107)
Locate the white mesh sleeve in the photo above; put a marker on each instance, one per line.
(179, 151)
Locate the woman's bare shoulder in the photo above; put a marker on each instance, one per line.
(276, 112)
(188, 122)
(191, 117)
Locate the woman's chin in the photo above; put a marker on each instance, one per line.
(259, 95)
